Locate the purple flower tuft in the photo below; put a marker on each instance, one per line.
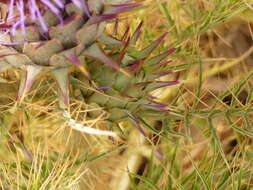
(19, 11)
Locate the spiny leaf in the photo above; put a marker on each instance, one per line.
(116, 9)
(125, 35)
(27, 79)
(147, 51)
(136, 34)
(100, 18)
(158, 58)
(165, 63)
(66, 32)
(95, 52)
(61, 76)
(40, 52)
(84, 38)
(136, 66)
(136, 123)
(109, 40)
(149, 86)
(157, 75)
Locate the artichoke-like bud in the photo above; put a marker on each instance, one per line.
(51, 36)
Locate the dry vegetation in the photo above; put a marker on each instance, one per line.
(205, 143)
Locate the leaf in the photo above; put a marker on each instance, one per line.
(148, 50)
(116, 9)
(27, 79)
(157, 84)
(100, 18)
(96, 52)
(136, 123)
(136, 34)
(61, 76)
(66, 32)
(84, 37)
(160, 57)
(109, 40)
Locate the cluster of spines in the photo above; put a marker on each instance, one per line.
(12, 22)
(147, 72)
(139, 61)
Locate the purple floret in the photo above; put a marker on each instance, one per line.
(19, 11)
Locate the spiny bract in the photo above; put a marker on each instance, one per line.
(45, 36)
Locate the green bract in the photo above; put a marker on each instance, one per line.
(73, 35)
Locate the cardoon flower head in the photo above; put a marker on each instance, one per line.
(54, 36)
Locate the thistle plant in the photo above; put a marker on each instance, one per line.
(64, 38)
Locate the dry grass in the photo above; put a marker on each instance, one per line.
(205, 143)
